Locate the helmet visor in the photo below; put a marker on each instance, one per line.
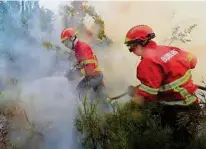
(132, 45)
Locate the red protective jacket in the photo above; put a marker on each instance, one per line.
(165, 72)
(86, 58)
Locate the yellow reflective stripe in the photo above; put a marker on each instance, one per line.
(177, 82)
(185, 94)
(88, 61)
(181, 90)
(97, 69)
(189, 100)
(84, 72)
(189, 57)
(148, 89)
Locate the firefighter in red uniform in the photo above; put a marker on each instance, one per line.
(87, 64)
(165, 76)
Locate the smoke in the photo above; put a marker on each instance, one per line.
(48, 97)
(45, 94)
(120, 16)
(54, 106)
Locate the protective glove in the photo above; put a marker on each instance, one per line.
(139, 100)
(78, 66)
(131, 91)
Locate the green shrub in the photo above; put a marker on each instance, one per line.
(128, 127)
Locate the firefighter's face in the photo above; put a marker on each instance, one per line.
(138, 50)
(68, 43)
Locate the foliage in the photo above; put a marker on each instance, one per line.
(14, 118)
(128, 127)
(24, 16)
(15, 121)
(89, 123)
(75, 14)
(178, 35)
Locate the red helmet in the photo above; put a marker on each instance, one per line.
(68, 33)
(140, 34)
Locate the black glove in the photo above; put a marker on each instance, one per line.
(132, 90)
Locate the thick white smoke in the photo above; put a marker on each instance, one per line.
(46, 95)
(50, 102)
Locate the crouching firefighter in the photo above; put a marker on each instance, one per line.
(165, 76)
(87, 64)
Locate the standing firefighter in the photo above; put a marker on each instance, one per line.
(165, 76)
(87, 64)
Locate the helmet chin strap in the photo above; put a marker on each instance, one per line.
(150, 36)
(74, 40)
